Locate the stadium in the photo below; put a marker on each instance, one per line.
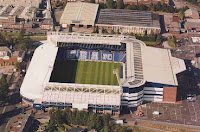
(99, 73)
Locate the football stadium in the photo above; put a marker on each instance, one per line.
(100, 73)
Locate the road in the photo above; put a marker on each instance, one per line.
(11, 108)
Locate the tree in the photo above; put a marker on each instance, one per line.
(152, 33)
(158, 39)
(92, 1)
(3, 89)
(18, 65)
(70, 28)
(91, 121)
(110, 4)
(142, 7)
(25, 44)
(132, 7)
(120, 4)
(131, 34)
(112, 32)
(182, 14)
(97, 29)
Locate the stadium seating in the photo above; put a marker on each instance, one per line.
(115, 56)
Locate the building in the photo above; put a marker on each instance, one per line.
(128, 21)
(79, 14)
(192, 13)
(47, 24)
(24, 3)
(16, 17)
(9, 58)
(192, 26)
(19, 55)
(5, 53)
(175, 28)
(6, 56)
(146, 2)
(146, 73)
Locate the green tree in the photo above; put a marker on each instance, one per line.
(18, 65)
(3, 89)
(158, 39)
(25, 44)
(120, 4)
(110, 4)
(182, 14)
(97, 29)
(92, 1)
(142, 7)
(91, 121)
(70, 28)
(132, 7)
(152, 33)
(112, 32)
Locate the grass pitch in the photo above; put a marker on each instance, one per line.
(85, 72)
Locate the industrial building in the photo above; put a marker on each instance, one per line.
(147, 73)
(79, 14)
(128, 21)
(16, 17)
(25, 3)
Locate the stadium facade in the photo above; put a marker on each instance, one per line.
(146, 74)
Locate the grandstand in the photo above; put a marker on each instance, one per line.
(99, 73)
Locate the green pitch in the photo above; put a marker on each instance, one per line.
(85, 72)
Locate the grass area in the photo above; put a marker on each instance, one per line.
(150, 43)
(85, 72)
(38, 38)
(171, 43)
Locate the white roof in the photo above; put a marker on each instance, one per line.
(85, 38)
(39, 71)
(81, 12)
(191, 12)
(143, 64)
(160, 67)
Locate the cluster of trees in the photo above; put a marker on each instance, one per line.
(119, 4)
(151, 37)
(17, 41)
(3, 89)
(95, 121)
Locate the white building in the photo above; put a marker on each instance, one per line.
(148, 74)
(79, 14)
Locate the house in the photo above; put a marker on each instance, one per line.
(47, 24)
(9, 58)
(5, 53)
(19, 55)
(192, 13)
(192, 26)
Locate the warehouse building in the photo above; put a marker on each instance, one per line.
(128, 21)
(16, 17)
(79, 14)
(24, 3)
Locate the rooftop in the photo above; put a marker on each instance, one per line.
(79, 11)
(144, 64)
(128, 18)
(25, 3)
(191, 12)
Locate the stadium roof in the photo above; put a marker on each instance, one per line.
(79, 12)
(144, 64)
(39, 71)
(128, 18)
(160, 67)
